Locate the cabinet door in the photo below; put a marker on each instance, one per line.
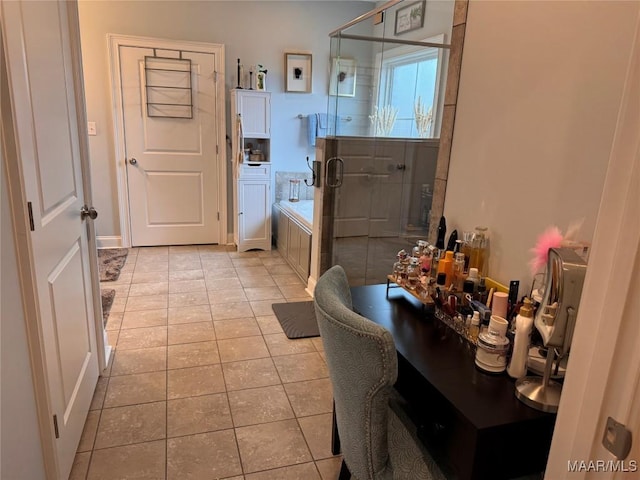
(254, 216)
(283, 232)
(305, 254)
(255, 109)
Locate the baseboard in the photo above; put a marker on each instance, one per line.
(230, 239)
(109, 241)
(311, 286)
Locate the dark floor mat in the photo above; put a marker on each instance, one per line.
(107, 301)
(297, 319)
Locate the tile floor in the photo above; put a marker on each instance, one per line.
(203, 383)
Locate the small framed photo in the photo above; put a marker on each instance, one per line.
(410, 17)
(297, 72)
(343, 77)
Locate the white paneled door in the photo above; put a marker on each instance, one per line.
(44, 136)
(170, 110)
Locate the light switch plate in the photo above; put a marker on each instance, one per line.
(91, 128)
(617, 439)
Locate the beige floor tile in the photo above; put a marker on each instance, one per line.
(306, 471)
(121, 289)
(144, 251)
(114, 321)
(123, 279)
(206, 413)
(263, 293)
(261, 308)
(213, 249)
(250, 254)
(145, 318)
(181, 286)
(298, 368)
(236, 328)
(312, 397)
(256, 281)
(185, 264)
(279, 344)
(201, 456)
(227, 296)
(317, 342)
(192, 355)
(186, 274)
(299, 299)
(282, 269)
(80, 466)
(146, 302)
(147, 337)
(189, 382)
(251, 271)
(271, 445)
(225, 311)
(182, 249)
(143, 461)
(139, 360)
(330, 467)
(260, 372)
(188, 299)
(153, 288)
(236, 349)
(148, 267)
(184, 256)
(119, 303)
(152, 260)
(146, 277)
(294, 291)
(214, 263)
(269, 324)
(191, 332)
(198, 313)
(317, 432)
(268, 261)
(268, 253)
(98, 395)
(214, 284)
(134, 389)
(287, 279)
(89, 431)
(259, 405)
(132, 424)
(220, 273)
(246, 262)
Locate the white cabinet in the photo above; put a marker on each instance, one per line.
(294, 243)
(253, 224)
(252, 198)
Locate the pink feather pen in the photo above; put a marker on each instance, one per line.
(550, 238)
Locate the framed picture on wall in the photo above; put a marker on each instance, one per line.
(343, 77)
(297, 72)
(410, 17)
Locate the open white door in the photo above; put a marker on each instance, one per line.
(45, 167)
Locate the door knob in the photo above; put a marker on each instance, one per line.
(401, 166)
(90, 212)
(133, 161)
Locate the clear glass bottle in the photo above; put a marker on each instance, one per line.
(474, 330)
(458, 271)
(398, 270)
(294, 190)
(479, 251)
(413, 273)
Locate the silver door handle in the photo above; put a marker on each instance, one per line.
(90, 212)
(133, 161)
(339, 172)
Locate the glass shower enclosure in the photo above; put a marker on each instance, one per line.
(386, 98)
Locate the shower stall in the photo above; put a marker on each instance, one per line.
(384, 117)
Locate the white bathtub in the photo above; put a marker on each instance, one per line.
(302, 211)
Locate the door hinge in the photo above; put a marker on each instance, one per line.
(217, 151)
(215, 77)
(32, 227)
(55, 426)
(218, 215)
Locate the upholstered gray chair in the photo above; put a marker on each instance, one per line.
(361, 355)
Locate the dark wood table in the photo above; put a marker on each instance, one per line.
(470, 420)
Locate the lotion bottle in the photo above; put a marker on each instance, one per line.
(524, 322)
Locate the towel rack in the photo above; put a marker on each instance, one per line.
(346, 119)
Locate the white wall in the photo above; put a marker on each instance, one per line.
(254, 31)
(21, 453)
(540, 88)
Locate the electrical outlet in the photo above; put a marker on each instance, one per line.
(91, 128)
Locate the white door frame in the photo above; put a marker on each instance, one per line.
(115, 42)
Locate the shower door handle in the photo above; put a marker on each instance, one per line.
(339, 169)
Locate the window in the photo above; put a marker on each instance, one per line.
(409, 87)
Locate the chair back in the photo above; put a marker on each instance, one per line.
(363, 366)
